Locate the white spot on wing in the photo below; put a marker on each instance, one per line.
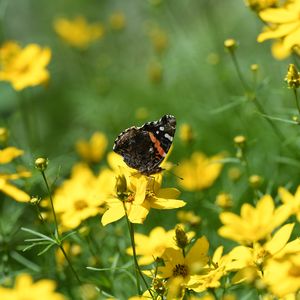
(161, 128)
(167, 136)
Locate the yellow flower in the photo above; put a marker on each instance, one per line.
(25, 288)
(153, 246)
(255, 223)
(293, 202)
(188, 217)
(24, 67)
(284, 24)
(117, 21)
(199, 172)
(6, 156)
(185, 267)
(224, 200)
(159, 40)
(141, 193)
(155, 72)
(82, 196)
(186, 133)
(93, 150)
(78, 32)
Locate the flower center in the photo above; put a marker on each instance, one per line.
(80, 204)
(180, 270)
(294, 271)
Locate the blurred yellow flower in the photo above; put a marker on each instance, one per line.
(185, 267)
(284, 24)
(93, 150)
(6, 156)
(78, 32)
(25, 288)
(153, 246)
(186, 133)
(155, 72)
(293, 202)
(199, 172)
(159, 40)
(188, 217)
(82, 196)
(117, 20)
(224, 200)
(24, 67)
(255, 223)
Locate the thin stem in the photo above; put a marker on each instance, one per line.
(296, 99)
(138, 271)
(238, 70)
(69, 263)
(51, 201)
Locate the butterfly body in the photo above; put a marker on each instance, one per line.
(144, 148)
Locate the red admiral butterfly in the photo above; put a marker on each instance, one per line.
(144, 148)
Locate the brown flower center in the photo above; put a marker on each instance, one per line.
(180, 270)
(294, 271)
(80, 204)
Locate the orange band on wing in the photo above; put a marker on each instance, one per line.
(157, 144)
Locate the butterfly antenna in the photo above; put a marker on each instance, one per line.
(172, 173)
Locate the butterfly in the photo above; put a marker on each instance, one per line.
(144, 148)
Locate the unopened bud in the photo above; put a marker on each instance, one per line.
(224, 200)
(254, 67)
(35, 200)
(186, 133)
(230, 44)
(121, 185)
(3, 135)
(181, 237)
(41, 163)
(255, 181)
(292, 77)
(239, 141)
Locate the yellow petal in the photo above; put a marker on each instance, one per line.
(168, 193)
(292, 39)
(8, 154)
(278, 32)
(285, 195)
(115, 212)
(279, 15)
(162, 203)
(279, 51)
(14, 192)
(279, 239)
(198, 252)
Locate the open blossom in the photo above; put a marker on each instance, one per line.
(291, 201)
(199, 172)
(136, 194)
(152, 246)
(255, 223)
(283, 26)
(24, 67)
(82, 196)
(78, 32)
(6, 156)
(25, 288)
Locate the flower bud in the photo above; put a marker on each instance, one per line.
(224, 200)
(239, 141)
(35, 200)
(117, 21)
(255, 181)
(181, 237)
(254, 67)
(3, 135)
(41, 163)
(159, 286)
(186, 133)
(230, 45)
(292, 77)
(121, 185)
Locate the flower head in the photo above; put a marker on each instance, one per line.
(258, 5)
(78, 32)
(152, 246)
(24, 67)
(82, 196)
(199, 172)
(284, 24)
(291, 201)
(93, 150)
(25, 288)
(142, 193)
(117, 20)
(255, 223)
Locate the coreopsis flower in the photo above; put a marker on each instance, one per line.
(24, 67)
(78, 32)
(152, 246)
(93, 150)
(284, 26)
(6, 156)
(199, 172)
(255, 223)
(185, 268)
(117, 20)
(159, 40)
(258, 5)
(188, 217)
(82, 196)
(136, 194)
(216, 269)
(186, 133)
(293, 202)
(25, 288)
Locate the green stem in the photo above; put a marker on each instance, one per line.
(69, 263)
(296, 99)
(238, 70)
(138, 271)
(51, 201)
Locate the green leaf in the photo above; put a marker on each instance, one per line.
(24, 261)
(38, 234)
(46, 249)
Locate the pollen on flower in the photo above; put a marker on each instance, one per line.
(80, 204)
(180, 270)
